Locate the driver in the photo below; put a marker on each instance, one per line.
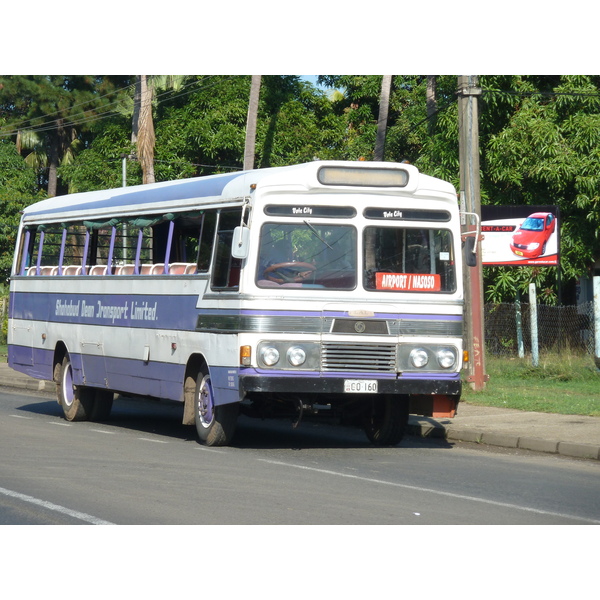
(290, 270)
(273, 253)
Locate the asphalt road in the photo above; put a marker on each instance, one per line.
(144, 467)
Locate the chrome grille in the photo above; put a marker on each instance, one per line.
(375, 358)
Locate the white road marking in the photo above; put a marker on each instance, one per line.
(104, 431)
(19, 417)
(155, 441)
(55, 507)
(431, 491)
(204, 449)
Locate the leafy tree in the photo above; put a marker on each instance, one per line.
(58, 108)
(17, 189)
(539, 138)
(546, 150)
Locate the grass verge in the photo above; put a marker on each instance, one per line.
(564, 384)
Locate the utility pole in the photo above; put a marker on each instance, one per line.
(468, 125)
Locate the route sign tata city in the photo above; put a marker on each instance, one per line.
(520, 235)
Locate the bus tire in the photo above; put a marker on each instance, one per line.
(386, 420)
(215, 424)
(103, 401)
(76, 401)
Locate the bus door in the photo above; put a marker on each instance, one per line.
(223, 349)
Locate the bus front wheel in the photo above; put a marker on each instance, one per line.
(386, 421)
(215, 424)
(76, 401)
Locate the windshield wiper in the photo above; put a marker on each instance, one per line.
(316, 233)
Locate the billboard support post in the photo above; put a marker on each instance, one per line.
(535, 358)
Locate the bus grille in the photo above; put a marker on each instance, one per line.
(375, 358)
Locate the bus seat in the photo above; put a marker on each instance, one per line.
(126, 269)
(191, 269)
(98, 270)
(177, 268)
(71, 270)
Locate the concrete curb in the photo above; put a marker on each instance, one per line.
(570, 449)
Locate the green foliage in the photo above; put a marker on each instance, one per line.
(17, 189)
(539, 141)
(547, 151)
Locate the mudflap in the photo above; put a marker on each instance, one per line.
(437, 406)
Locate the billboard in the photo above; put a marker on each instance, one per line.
(520, 235)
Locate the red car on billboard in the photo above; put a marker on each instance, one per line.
(531, 237)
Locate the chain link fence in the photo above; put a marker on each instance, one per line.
(560, 329)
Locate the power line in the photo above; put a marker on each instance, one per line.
(108, 112)
(57, 114)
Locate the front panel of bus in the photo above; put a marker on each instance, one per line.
(353, 292)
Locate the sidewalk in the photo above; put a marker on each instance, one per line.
(569, 435)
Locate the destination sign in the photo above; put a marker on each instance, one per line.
(400, 214)
(309, 210)
(408, 282)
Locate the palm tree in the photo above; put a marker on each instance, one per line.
(145, 131)
(142, 125)
(431, 102)
(384, 105)
(249, 149)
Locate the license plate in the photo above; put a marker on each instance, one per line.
(360, 386)
(518, 252)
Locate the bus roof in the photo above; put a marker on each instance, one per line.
(183, 194)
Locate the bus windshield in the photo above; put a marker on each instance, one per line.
(308, 256)
(397, 259)
(402, 259)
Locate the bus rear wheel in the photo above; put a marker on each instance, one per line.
(76, 401)
(215, 424)
(386, 421)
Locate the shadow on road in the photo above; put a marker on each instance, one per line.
(163, 419)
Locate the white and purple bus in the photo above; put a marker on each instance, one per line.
(323, 290)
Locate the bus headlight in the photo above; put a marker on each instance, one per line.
(418, 358)
(296, 356)
(290, 355)
(446, 358)
(269, 355)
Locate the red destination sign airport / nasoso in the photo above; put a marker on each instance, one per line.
(408, 282)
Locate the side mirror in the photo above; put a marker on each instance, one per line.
(470, 254)
(241, 242)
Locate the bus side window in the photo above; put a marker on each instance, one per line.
(183, 256)
(207, 237)
(25, 252)
(73, 250)
(226, 269)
